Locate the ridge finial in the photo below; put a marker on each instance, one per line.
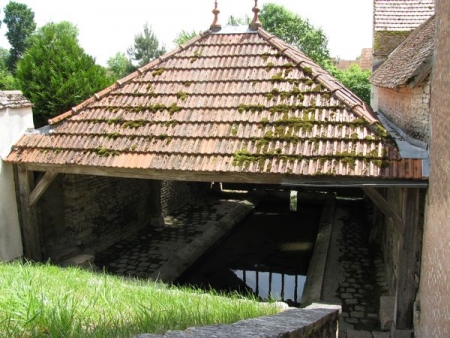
(255, 24)
(215, 26)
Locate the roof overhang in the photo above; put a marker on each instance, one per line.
(237, 177)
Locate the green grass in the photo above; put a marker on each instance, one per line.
(41, 300)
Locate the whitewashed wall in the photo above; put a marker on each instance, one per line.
(14, 120)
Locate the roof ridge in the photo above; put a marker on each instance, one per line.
(119, 83)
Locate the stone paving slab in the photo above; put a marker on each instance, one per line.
(163, 253)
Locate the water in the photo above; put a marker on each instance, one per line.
(267, 255)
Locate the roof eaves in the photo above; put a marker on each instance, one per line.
(119, 83)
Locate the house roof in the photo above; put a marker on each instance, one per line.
(401, 15)
(411, 61)
(13, 99)
(234, 105)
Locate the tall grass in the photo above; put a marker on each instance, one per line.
(41, 300)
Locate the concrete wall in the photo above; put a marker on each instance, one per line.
(13, 123)
(87, 214)
(434, 295)
(407, 108)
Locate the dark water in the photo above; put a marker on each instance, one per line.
(267, 254)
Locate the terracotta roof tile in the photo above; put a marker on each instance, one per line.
(401, 15)
(223, 104)
(403, 65)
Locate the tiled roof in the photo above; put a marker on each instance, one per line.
(401, 15)
(366, 58)
(13, 99)
(223, 104)
(401, 68)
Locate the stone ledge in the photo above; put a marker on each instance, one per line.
(317, 320)
(312, 291)
(181, 261)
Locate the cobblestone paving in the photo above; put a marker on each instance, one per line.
(362, 267)
(145, 252)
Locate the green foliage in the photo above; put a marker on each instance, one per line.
(184, 36)
(146, 47)
(120, 66)
(232, 21)
(7, 81)
(20, 22)
(296, 31)
(55, 72)
(39, 300)
(354, 78)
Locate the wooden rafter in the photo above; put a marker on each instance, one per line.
(384, 206)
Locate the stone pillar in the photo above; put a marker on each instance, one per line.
(156, 216)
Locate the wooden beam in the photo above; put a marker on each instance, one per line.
(30, 231)
(42, 185)
(384, 206)
(224, 177)
(406, 285)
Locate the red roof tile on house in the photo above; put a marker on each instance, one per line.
(410, 60)
(223, 105)
(401, 15)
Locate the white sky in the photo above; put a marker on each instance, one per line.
(108, 26)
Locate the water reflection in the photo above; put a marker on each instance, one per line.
(272, 285)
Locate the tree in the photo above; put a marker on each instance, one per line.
(120, 66)
(184, 36)
(146, 47)
(20, 22)
(55, 72)
(296, 31)
(7, 81)
(354, 78)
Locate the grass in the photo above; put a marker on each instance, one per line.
(41, 300)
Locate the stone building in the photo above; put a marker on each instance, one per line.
(433, 306)
(411, 97)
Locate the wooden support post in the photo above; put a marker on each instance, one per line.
(406, 285)
(156, 218)
(30, 230)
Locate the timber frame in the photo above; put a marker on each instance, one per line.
(407, 221)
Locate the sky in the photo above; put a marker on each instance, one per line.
(107, 27)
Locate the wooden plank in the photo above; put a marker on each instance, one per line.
(30, 231)
(42, 185)
(384, 206)
(406, 286)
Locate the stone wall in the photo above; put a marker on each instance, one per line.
(314, 321)
(434, 296)
(407, 108)
(175, 194)
(387, 234)
(87, 214)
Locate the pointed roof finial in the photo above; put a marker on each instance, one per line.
(215, 26)
(255, 24)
